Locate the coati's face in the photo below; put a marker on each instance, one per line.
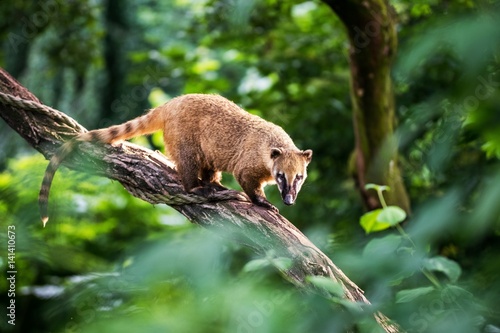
(290, 171)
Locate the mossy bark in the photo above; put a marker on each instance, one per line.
(371, 27)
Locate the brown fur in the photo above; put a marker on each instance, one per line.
(204, 135)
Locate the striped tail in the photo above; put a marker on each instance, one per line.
(146, 124)
(55, 161)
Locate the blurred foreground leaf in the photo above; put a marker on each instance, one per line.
(411, 294)
(327, 284)
(444, 265)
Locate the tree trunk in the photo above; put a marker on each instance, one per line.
(372, 33)
(149, 176)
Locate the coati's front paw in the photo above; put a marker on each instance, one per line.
(262, 202)
(218, 193)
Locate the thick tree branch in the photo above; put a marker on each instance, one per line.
(150, 176)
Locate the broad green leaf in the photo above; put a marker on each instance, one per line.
(444, 265)
(391, 215)
(369, 222)
(327, 284)
(409, 295)
(451, 294)
(385, 245)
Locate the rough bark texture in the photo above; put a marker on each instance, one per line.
(150, 176)
(372, 33)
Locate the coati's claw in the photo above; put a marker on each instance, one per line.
(262, 202)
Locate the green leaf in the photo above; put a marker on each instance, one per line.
(444, 265)
(255, 265)
(354, 308)
(406, 250)
(376, 187)
(391, 215)
(282, 263)
(327, 284)
(451, 294)
(385, 245)
(409, 295)
(370, 223)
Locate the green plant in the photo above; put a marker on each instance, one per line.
(442, 273)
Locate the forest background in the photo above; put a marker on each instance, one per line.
(110, 262)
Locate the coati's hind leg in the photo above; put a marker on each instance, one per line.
(188, 173)
(212, 178)
(208, 184)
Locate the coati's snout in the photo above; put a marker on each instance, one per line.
(290, 172)
(289, 199)
(289, 191)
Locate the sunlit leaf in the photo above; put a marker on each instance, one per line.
(157, 97)
(376, 187)
(391, 215)
(301, 14)
(370, 222)
(206, 65)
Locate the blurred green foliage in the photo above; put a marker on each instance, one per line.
(109, 262)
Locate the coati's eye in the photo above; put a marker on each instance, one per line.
(299, 177)
(280, 177)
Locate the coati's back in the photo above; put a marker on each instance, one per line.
(204, 135)
(221, 131)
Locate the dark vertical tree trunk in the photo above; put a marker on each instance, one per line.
(117, 36)
(372, 33)
(126, 97)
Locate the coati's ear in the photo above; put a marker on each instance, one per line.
(308, 154)
(275, 152)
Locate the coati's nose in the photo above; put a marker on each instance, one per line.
(288, 199)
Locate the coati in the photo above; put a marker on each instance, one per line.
(204, 135)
